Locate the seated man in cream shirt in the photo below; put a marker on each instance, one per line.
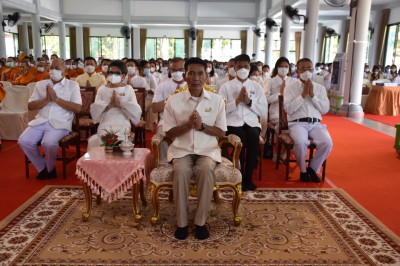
(57, 100)
(194, 118)
(90, 78)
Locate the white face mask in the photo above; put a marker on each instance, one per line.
(104, 69)
(208, 69)
(259, 68)
(292, 69)
(157, 68)
(367, 70)
(232, 72)
(74, 66)
(266, 74)
(67, 66)
(90, 69)
(283, 71)
(177, 76)
(243, 73)
(376, 73)
(164, 69)
(131, 70)
(253, 78)
(326, 68)
(306, 75)
(152, 69)
(55, 74)
(114, 79)
(40, 69)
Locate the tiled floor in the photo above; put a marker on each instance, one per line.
(383, 128)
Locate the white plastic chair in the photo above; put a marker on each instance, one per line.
(14, 112)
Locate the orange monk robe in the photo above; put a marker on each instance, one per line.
(70, 73)
(42, 75)
(98, 69)
(2, 92)
(2, 69)
(33, 70)
(10, 74)
(25, 79)
(79, 71)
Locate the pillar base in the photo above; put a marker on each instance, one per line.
(353, 110)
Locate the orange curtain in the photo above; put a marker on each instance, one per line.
(297, 40)
(186, 36)
(86, 41)
(20, 39)
(199, 44)
(243, 40)
(72, 41)
(143, 36)
(382, 33)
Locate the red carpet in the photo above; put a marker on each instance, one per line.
(385, 119)
(363, 163)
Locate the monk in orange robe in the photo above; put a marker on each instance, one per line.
(25, 77)
(43, 72)
(9, 73)
(2, 92)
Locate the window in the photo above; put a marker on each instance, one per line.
(51, 44)
(12, 45)
(392, 53)
(164, 48)
(108, 47)
(220, 49)
(276, 51)
(331, 47)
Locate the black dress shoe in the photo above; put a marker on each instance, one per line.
(304, 177)
(42, 175)
(202, 232)
(313, 175)
(252, 186)
(181, 233)
(52, 174)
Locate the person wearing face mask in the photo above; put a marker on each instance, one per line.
(136, 81)
(265, 74)
(154, 70)
(375, 75)
(276, 86)
(292, 71)
(25, 77)
(99, 65)
(212, 77)
(90, 78)
(163, 91)
(3, 67)
(145, 72)
(104, 67)
(231, 75)
(393, 72)
(76, 69)
(387, 74)
(115, 105)
(246, 102)
(164, 71)
(56, 100)
(259, 65)
(304, 103)
(42, 73)
(254, 75)
(367, 72)
(327, 74)
(9, 73)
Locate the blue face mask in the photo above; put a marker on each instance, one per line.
(10, 64)
(146, 71)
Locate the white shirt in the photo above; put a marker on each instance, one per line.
(158, 76)
(220, 83)
(137, 82)
(57, 116)
(397, 80)
(211, 108)
(237, 116)
(115, 118)
(163, 91)
(298, 107)
(151, 81)
(274, 90)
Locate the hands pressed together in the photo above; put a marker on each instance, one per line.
(195, 120)
(114, 100)
(308, 89)
(243, 96)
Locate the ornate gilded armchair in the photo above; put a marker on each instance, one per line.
(227, 175)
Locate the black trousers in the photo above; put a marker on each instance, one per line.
(248, 155)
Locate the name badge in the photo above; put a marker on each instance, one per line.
(122, 94)
(208, 110)
(252, 92)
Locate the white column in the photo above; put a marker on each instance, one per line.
(25, 38)
(356, 58)
(136, 43)
(79, 42)
(342, 45)
(2, 35)
(317, 52)
(37, 46)
(311, 29)
(126, 10)
(285, 36)
(257, 46)
(374, 53)
(63, 49)
(249, 42)
(268, 49)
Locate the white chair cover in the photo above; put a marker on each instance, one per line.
(381, 81)
(31, 113)
(6, 84)
(14, 112)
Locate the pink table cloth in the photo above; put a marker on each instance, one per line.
(111, 175)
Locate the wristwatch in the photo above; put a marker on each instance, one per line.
(203, 126)
(249, 104)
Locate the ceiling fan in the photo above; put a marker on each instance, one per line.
(46, 28)
(294, 16)
(271, 25)
(126, 31)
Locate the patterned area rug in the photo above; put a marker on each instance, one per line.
(280, 226)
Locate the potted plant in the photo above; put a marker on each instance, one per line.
(109, 140)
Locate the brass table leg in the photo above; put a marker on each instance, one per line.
(142, 196)
(135, 201)
(88, 198)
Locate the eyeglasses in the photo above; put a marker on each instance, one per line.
(114, 73)
(306, 68)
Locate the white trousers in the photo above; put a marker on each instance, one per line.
(299, 132)
(49, 137)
